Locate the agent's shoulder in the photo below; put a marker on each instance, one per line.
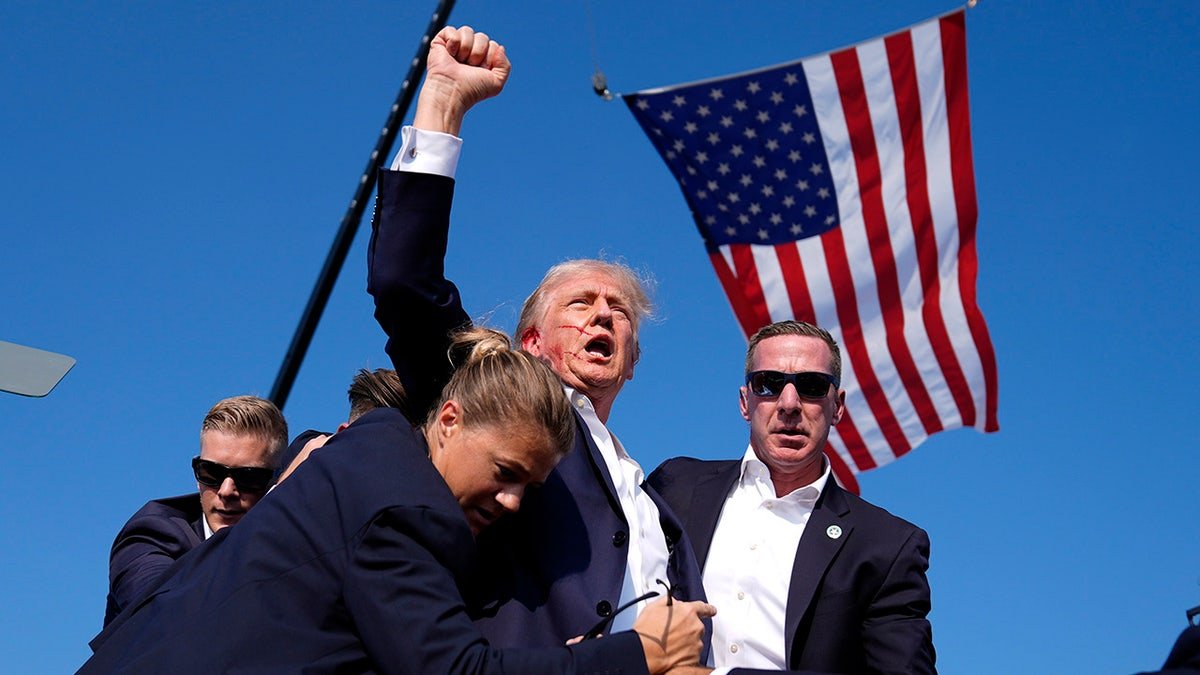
(688, 469)
(185, 507)
(878, 518)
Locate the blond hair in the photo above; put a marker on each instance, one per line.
(249, 416)
(495, 384)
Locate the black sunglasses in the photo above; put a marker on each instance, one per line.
(246, 478)
(772, 382)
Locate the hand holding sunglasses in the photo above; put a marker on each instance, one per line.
(247, 478)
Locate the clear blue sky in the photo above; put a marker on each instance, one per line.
(172, 174)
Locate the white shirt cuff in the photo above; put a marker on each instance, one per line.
(423, 151)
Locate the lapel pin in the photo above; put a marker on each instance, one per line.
(833, 531)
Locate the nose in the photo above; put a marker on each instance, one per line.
(509, 498)
(228, 488)
(602, 312)
(789, 399)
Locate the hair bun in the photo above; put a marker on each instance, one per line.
(473, 345)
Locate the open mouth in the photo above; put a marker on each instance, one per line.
(599, 346)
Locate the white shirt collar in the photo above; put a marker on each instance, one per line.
(583, 405)
(755, 473)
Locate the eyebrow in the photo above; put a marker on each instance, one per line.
(614, 296)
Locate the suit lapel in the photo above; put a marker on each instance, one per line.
(584, 435)
(815, 552)
(198, 528)
(708, 498)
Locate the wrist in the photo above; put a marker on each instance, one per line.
(655, 658)
(439, 108)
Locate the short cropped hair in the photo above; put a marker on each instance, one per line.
(496, 384)
(634, 287)
(250, 416)
(371, 389)
(796, 328)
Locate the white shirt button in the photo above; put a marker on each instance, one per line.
(741, 595)
(733, 648)
(753, 547)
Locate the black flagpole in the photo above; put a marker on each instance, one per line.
(350, 222)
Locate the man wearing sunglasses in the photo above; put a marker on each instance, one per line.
(806, 575)
(240, 443)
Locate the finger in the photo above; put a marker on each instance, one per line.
(497, 58)
(479, 49)
(448, 38)
(466, 40)
(315, 442)
(703, 609)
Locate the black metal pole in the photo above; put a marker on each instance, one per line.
(350, 222)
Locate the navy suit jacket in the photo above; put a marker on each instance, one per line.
(856, 603)
(552, 570)
(352, 565)
(146, 547)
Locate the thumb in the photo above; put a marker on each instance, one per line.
(704, 610)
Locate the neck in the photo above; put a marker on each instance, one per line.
(603, 408)
(602, 403)
(787, 483)
(430, 435)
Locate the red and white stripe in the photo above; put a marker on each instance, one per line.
(895, 282)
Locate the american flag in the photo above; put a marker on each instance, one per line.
(839, 190)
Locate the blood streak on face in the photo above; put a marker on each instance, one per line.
(587, 337)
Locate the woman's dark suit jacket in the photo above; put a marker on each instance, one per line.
(352, 565)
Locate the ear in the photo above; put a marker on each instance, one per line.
(637, 356)
(531, 341)
(449, 420)
(841, 406)
(744, 403)
(446, 424)
(342, 427)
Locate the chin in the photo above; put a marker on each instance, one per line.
(605, 379)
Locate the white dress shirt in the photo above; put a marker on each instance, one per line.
(749, 566)
(424, 151)
(646, 559)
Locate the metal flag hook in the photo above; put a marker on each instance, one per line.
(600, 85)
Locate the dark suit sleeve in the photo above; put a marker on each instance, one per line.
(415, 304)
(411, 617)
(144, 550)
(897, 637)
